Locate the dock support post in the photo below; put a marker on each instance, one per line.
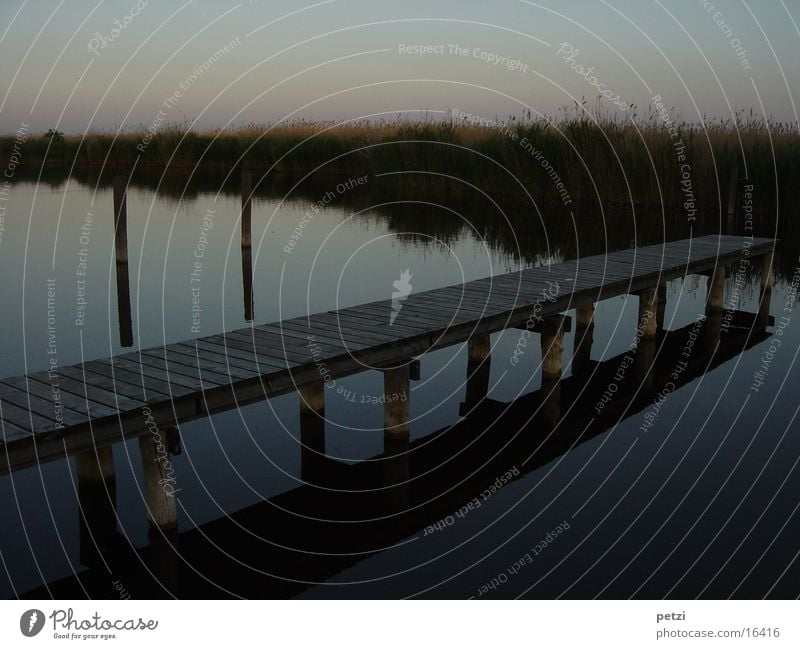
(312, 431)
(716, 290)
(121, 219)
(97, 492)
(159, 483)
(479, 365)
(247, 250)
(733, 193)
(397, 393)
(766, 290)
(584, 337)
(312, 398)
(162, 511)
(121, 257)
(648, 312)
(552, 340)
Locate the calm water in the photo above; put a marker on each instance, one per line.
(704, 503)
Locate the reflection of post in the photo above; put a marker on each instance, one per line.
(397, 394)
(712, 328)
(396, 467)
(648, 312)
(716, 290)
(162, 511)
(550, 405)
(552, 340)
(584, 337)
(766, 290)
(312, 431)
(121, 257)
(643, 362)
(479, 366)
(97, 500)
(661, 306)
(247, 251)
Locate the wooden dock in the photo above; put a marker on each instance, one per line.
(81, 408)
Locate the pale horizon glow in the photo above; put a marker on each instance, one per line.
(221, 65)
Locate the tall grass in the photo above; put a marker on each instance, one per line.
(597, 158)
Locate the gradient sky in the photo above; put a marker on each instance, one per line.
(340, 59)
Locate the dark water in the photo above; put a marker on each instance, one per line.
(501, 503)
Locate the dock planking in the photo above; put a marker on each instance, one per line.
(79, 406)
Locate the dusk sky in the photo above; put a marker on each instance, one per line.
(68, 65)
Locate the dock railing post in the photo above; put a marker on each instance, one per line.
(247, 250)
(120, 190)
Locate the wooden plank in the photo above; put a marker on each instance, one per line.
(73, 402)
(134, 393)
(25, 419)
(82, 390)
(135, 379)
(151, 367)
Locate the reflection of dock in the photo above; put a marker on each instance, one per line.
(277, 548)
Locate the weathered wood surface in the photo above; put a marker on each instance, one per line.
(102, 401)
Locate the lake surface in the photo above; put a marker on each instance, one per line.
(702, 504)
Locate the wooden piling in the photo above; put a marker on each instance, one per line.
(767, 281)
(552, 341)
(247, 250)
(159, 483)
(121, 219)
(120, 186)
(648, 312)
(97, 492)
(733, 193)
(584, 316)
(397, 395)
(312, 398)
(96, 465)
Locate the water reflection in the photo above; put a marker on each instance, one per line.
(283, 539)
